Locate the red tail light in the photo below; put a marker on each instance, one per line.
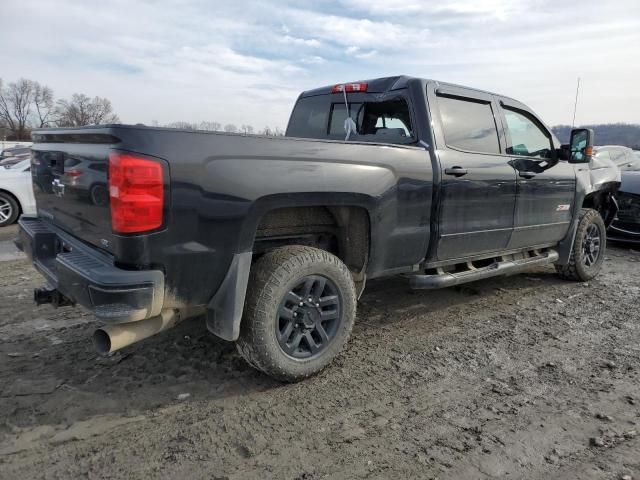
(136, 191)
(349, 87)
(73, 173)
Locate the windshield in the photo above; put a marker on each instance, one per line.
(323, 117)
(23, 164)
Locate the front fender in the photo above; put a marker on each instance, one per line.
(598, 176)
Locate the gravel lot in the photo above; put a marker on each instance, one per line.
(521, 377)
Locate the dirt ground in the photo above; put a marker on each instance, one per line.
(521, 377)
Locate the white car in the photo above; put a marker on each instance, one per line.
(16, 192)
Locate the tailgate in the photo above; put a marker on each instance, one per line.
(69, 172)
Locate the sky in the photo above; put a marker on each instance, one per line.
(245, 62)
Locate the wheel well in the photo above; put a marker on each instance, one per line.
(604, 202)
(14, 198)
(343, 231)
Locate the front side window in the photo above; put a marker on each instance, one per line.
(527, 138)
(469, 125)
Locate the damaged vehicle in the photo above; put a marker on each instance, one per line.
(270, 240)
(626, 226)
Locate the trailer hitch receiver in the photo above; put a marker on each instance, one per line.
(45, 295)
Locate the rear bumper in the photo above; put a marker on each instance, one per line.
(88, 277)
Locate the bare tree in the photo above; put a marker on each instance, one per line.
(248, 129)
(82, 110)
(182, 125)
(211, 126)
(43, 103)
(230, 128)
(15, 107)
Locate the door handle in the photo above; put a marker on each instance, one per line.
(527, 174)
(455, 171)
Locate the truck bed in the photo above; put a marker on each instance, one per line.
(219, 187)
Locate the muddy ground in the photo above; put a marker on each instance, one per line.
(521, 377)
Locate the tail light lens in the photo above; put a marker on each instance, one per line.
(136, 192)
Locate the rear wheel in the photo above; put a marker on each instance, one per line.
(299, 312)
(9, 209)
(588, 248)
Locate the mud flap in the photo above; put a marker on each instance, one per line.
(566, 245)
(224, 311)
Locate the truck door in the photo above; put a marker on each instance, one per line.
(478, 186)
(546, 186)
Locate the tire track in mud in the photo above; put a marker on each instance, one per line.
(502, 377)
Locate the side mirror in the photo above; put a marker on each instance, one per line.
(581, 145)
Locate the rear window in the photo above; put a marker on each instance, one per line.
(71, 162)
(468, 125)
(324, 116)
(9, 152)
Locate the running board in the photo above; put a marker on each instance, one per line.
(499, 267)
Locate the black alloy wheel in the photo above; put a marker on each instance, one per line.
(591, 245)
(299, 310)
(309, 317)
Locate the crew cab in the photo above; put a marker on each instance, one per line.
(271, 239)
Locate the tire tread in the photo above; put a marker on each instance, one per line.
(573, 269)
(269, 274)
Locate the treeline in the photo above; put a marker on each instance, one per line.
(624, 134)
(26, 104)
(219, 127)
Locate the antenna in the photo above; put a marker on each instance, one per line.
(575, 106)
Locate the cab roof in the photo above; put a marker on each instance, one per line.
(375, 85)
(388, 84)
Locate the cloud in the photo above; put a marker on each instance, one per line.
(305, 42)
(246, 61)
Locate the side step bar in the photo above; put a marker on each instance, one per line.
(446, 279)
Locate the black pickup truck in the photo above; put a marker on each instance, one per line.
(271, 239)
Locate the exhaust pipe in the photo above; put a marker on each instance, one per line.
(114, 337)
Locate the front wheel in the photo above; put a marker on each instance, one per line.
(299, 311)
(589, 245)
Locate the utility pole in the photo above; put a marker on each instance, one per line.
(575, 106)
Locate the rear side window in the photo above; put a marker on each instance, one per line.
(527, 139)
(469, 125)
